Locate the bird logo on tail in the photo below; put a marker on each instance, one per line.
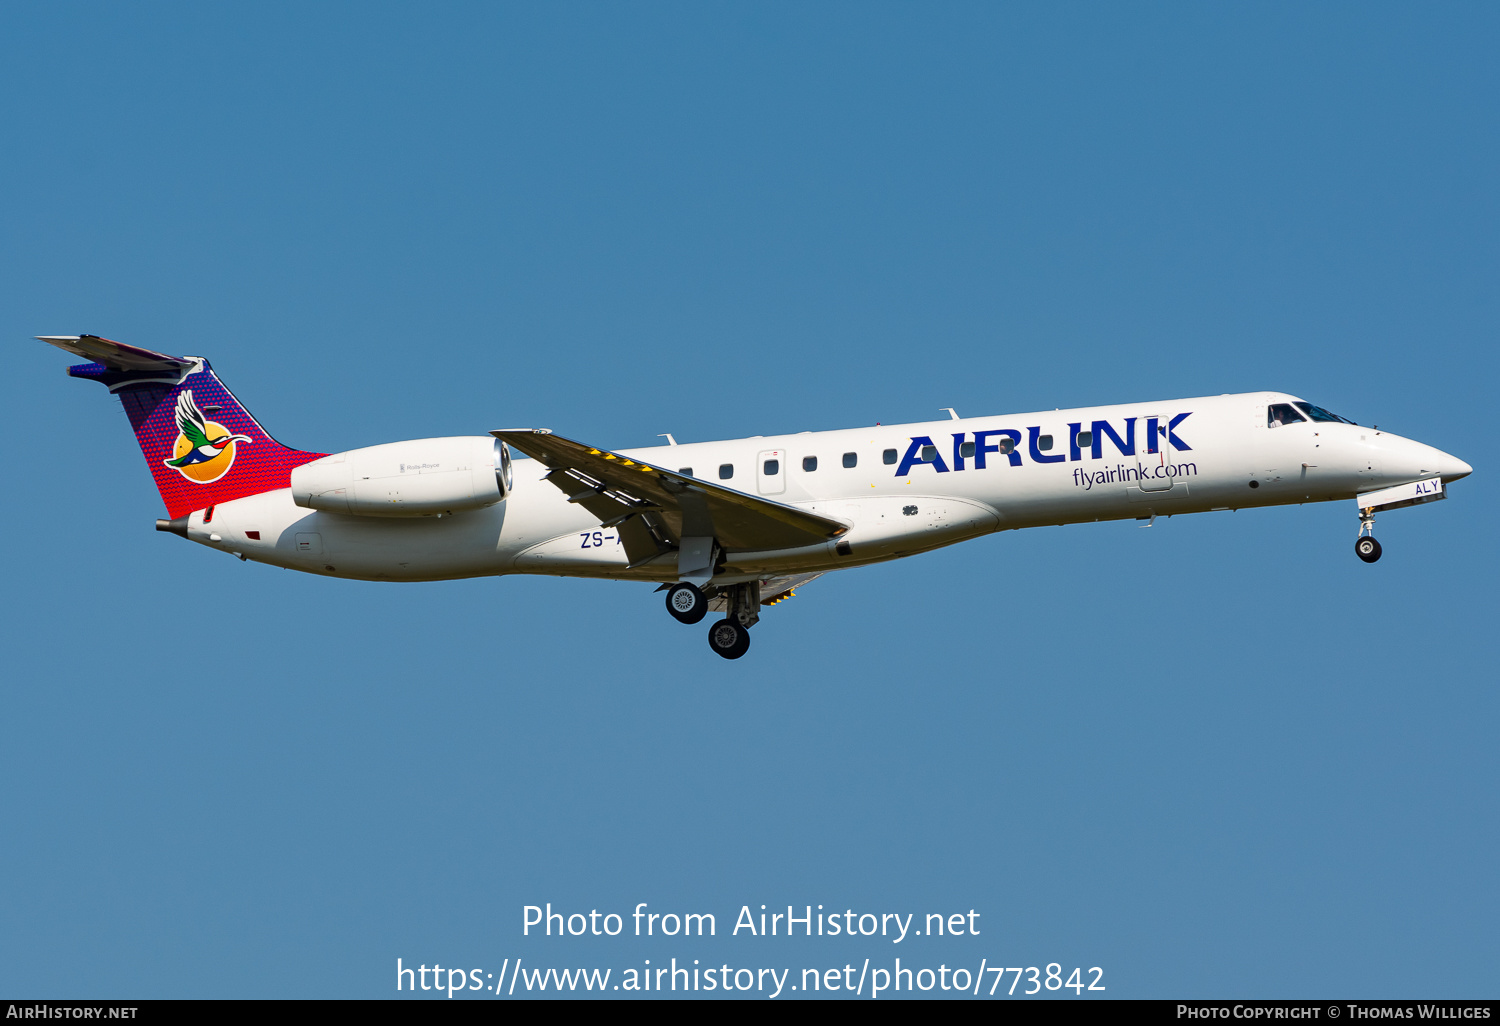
(204, 451)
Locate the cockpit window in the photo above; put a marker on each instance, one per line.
(1280, 414)
(1319, 414)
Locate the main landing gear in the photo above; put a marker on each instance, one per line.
(730, 637)
(686, 602)
(1365, 546)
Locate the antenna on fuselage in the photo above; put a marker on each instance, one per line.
(950, 411)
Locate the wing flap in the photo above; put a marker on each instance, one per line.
(777, 589)
(669, 504)
(641, 538)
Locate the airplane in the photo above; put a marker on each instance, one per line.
(729, 526)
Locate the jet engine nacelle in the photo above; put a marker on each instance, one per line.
(421, 478)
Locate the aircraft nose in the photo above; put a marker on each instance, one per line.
(1452, 468)
(1408, 459)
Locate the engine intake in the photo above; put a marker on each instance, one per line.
(421, 478)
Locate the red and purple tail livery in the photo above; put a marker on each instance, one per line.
(202, 446)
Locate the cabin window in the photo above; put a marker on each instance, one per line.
(966, 450)
(929, 453)
(685, 471)
(809, 463)
(888, 457)
(1044, 443)
(1085, 439)
(1007, 446)
(1281, 414)
(771, 468)
(851, 459)
(726, 471)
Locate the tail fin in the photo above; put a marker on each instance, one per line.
(202, 446)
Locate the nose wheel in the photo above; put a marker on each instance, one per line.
(686, 602)
(1365, 546)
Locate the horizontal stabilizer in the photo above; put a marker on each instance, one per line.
(116, 355)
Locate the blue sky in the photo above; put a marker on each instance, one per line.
(1217, 757)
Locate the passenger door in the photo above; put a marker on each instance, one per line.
(1154, 456)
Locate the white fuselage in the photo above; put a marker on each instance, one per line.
(1221, 455)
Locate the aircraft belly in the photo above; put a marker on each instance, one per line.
(461, 545)
(1099, 490)
(270, 528)
(884, 525)
(597, 550)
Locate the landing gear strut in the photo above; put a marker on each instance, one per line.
(730, 637)
(686, 602)
(1365, 546)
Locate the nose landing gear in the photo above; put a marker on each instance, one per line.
(1365, 546)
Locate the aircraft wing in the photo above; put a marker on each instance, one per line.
(655, 507)
(117, 355)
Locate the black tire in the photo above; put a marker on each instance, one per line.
(686, 603)
(1367, 549)
(729, 639)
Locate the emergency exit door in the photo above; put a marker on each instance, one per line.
(770, 472)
